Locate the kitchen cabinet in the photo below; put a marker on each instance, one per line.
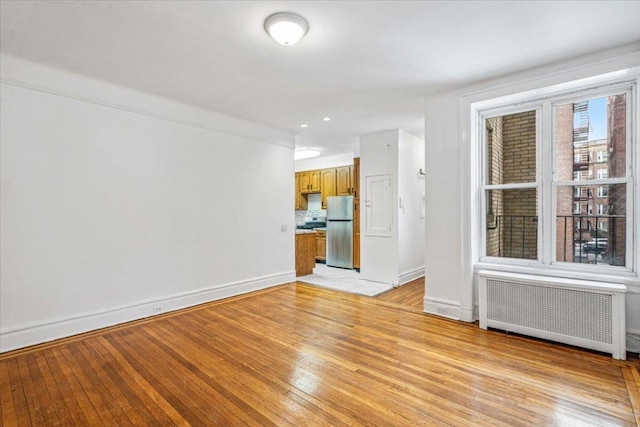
(310, 182)
(355, 177)
(321, 245)
(344, 186)
(328, 185)
(300, 199)
(305, 253)
(356, 212)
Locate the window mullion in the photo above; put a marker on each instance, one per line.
(547, 193)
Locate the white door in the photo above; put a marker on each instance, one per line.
(378, 205)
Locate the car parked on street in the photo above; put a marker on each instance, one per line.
(595, 246)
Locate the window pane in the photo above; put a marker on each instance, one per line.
(512, 223)
(591, 224)
(591, 139)
(512, 148)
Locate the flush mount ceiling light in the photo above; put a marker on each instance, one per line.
(305, 153)
(286, 28)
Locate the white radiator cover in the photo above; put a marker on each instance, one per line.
(577, 312)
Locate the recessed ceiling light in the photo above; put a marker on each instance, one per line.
(304, 125)
(286, 28)
(326, 119)
(305, 153)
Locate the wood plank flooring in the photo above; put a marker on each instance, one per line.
(304, 356)
(410, 295)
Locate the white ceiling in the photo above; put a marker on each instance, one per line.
(367, 64)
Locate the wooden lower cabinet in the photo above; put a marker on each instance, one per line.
(305, 253)
(321, 245)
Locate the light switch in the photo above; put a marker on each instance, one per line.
(283, 227)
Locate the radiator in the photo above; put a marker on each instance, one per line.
(577, 312)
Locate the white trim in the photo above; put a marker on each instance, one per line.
(410, 275)
(52, 329)
(447, 308)
(544, 100)
(630, 281)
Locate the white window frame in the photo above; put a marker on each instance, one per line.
(601, 192)
(603, 173)
(601, 156)
(547, 203)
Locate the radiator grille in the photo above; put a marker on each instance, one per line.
(569, 312)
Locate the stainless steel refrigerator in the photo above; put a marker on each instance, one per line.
(340, 231)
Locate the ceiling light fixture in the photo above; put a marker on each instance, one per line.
(286, 28)
(326, 119)
(305, 153)
(304, 125)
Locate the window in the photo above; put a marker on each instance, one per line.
(603, 173)
(534, 211)
(601, 156)
(603, 191)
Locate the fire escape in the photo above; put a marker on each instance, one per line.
(581, 161)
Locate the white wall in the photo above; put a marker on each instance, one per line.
(443, 231)
(379, 255)
(324, 162)
(450, 256)
(410, 223)
(117, 205)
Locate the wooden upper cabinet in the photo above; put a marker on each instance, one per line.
(310, 182)
(344, 186)
(301, 201)
(315, 184)
(328, 177)
(304, 181)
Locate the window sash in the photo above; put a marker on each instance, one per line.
(545, 182)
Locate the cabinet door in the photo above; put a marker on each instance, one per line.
(355, 177)
(321, 248)
(301, 201)
(305, 184)
(328, 185)
(315, 184)
(343, 186)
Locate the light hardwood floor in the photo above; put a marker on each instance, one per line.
(299, 355)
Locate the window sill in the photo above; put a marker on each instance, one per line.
(629, 279)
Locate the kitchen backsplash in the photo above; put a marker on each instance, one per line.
(314, 209)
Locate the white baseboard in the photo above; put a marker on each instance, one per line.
(411, 275)
(442, 307)
(447, 308)
(52, 329)
(633, 340)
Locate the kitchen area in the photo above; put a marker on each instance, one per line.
(327, 219)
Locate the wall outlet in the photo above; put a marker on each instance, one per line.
(442, 310)
(157, 309)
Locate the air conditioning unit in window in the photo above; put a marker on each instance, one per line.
(576, 312)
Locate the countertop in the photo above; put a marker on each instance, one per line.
(305, 231)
